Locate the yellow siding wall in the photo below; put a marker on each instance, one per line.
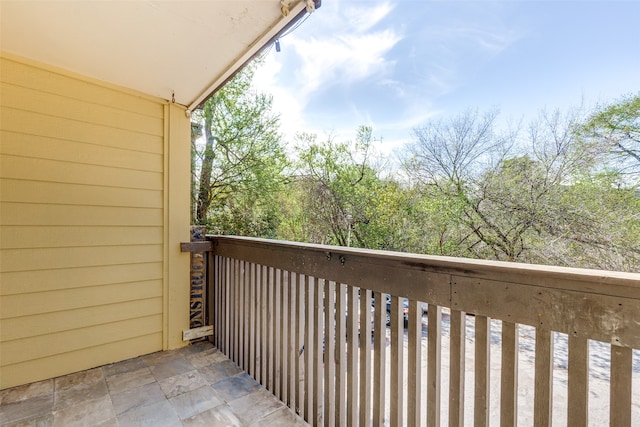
(84, 261)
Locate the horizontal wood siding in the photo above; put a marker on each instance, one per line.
(81, 230)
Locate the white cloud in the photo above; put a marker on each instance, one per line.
(344, 58)
(336, 47)
(364, 18)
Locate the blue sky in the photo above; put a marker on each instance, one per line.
(396, 64)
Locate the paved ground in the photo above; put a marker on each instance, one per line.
(193, 386)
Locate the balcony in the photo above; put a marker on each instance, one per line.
(340, 337)
(501, 343)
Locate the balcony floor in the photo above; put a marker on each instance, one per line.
(192, 386)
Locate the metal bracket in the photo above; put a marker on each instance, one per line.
(284, 8)
(311, 5)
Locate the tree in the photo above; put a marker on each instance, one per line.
(612, 135)
(239, 168)
(453, 151)
(450, 159)
(532, 198)
(340, 186)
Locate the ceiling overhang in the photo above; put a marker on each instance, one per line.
(183, 50)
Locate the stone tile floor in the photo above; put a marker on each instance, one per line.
(192, 386)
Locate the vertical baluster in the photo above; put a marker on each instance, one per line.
(457, 368)
(578, 381)
(620, 397)
(482, 370)
(318, 357)
(230, 307)
(365, 357)
(236, 311)
(244, 337)
(414, 369)
(509, 375)
(397, 339)
(227, 306)
(352, 356)
(278, 335)
(284, 318)
(264, 307)
(329, 353)
(341, 355)
(286, 337)
(309, 349)
(257, 326)
(379, 359)
(542, 406)
(296, 370)
(434, 366)
(251, 307)
(271, 331)
(291, 332)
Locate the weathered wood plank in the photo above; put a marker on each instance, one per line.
(383, 270)
(620, 391)
(329, 353)
(318, 357)
(285, 307)
(457, 368)
(309, 348)
(253, 325)
(242, 316)
(434, 365)
(365, 397)
(271, 330)
(542, 407)
(482, 371)
(362, 270)
(341, 355)
(396, 366)
(235, 299)
(578, 382)
(352, 356)
(509, 376)
(414, 362)
(297, 343)
(264, 326)
(228, 275)
(279, 334)
(587, 315)
(257, 307)
(379, 357)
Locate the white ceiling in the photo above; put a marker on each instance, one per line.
(156, 47)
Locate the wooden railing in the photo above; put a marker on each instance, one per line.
(300, 319)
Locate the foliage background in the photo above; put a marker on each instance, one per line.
(562, 190)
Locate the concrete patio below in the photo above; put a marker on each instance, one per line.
(192, 386)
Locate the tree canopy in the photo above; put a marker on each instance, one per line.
(563, 190)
